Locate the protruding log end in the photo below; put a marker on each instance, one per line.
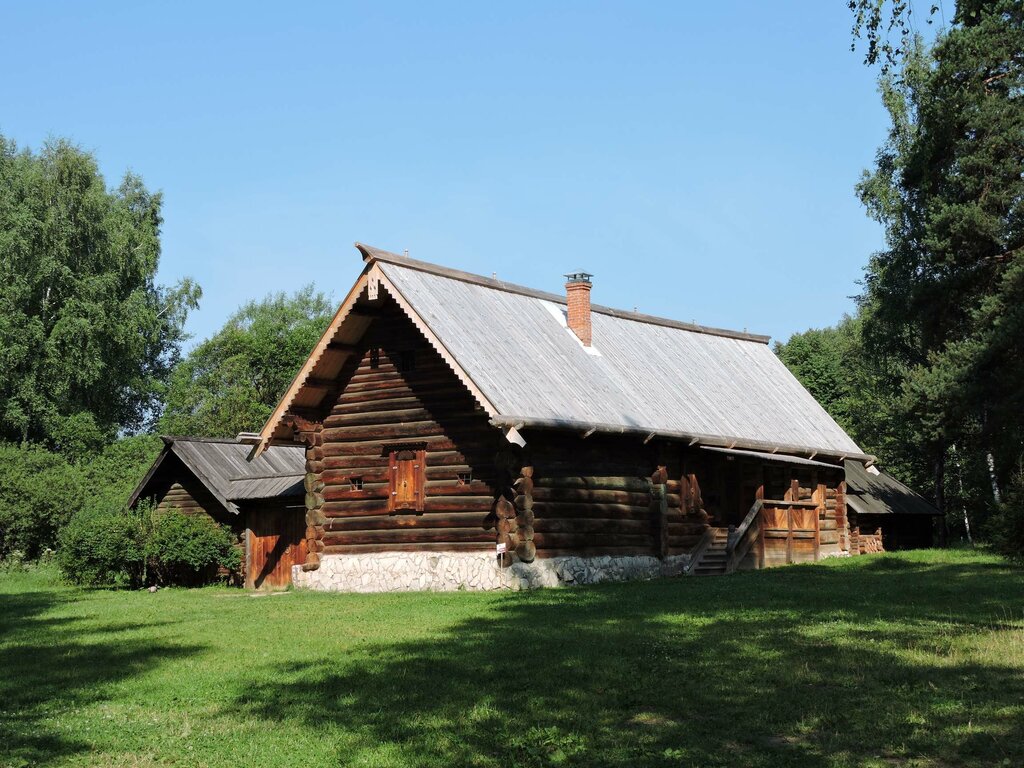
(504, 509)
(312, 562)
(527, 551)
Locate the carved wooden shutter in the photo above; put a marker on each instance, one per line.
(406, 480)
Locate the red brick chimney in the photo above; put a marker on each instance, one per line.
(577, 295)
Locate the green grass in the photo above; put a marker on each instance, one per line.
(907, 660)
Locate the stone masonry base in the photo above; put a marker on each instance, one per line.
(447, 571)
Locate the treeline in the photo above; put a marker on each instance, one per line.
(92, 360)
(929, 375)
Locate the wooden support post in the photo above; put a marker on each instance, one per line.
(659, 518)
(819, 513)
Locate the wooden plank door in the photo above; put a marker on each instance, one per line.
(276, 543)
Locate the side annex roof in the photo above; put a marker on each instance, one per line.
(873, 492)
(222, 466)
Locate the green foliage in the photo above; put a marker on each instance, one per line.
(888, 28)
(941, 312)
(105, 546)
(188, 549)
(820, 358)
(87, 339)
(231, 382)
(39, 491)
(111, 475)
(1007, 526)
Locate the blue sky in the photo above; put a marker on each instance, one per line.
(698, 158)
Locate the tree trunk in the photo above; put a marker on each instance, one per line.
(940, 495)
(963, 497)
(991, 462)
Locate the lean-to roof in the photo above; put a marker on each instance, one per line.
(873, 492)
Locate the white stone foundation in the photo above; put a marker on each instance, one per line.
(448, 571)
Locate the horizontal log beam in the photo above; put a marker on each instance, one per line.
(389, 522)
(574, 509)
(569, 540)
(613, 483)
(449, 546)
(408, 536)
(541, 494)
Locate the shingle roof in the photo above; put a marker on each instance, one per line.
(869, 493)
(646, 375)
(223, 467)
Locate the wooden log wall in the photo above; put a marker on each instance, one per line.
(311, 434)
(598, 496)
(377, 406)
(193, 500)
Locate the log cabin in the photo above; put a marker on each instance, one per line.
(261, 501)
(459, 431)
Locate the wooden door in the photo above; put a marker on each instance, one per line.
(276, 542)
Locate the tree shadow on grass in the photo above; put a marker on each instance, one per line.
(51, 665)
(804, 666)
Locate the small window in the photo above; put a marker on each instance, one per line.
(355, 483)
(406, 361)
(465, 478)
(375, 357)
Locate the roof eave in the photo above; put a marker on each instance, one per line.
(520, 422)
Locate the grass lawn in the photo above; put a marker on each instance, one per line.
(908, 660)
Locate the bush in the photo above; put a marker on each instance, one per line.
(39, 491)
(188, 550)
(104, 547)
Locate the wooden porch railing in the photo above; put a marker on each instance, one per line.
(698, 551)
(742, 538)
(789, 532)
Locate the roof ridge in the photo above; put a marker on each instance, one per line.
(191, 439)
(372, 254)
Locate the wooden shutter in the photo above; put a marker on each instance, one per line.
(407, 476)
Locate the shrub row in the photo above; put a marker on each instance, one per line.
(131, 548)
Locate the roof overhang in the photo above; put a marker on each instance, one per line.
(808, 453)
(341, 340)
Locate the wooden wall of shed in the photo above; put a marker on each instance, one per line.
(900, 531)
(373, 405)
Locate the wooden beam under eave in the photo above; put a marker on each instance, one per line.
(325, 384)
(337, 346)
(369, 312)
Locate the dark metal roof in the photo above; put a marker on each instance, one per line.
(222, 465)
(873, 492)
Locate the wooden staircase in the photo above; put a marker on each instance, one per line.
(712, 561)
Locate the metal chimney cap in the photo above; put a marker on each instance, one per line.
(579, 277)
